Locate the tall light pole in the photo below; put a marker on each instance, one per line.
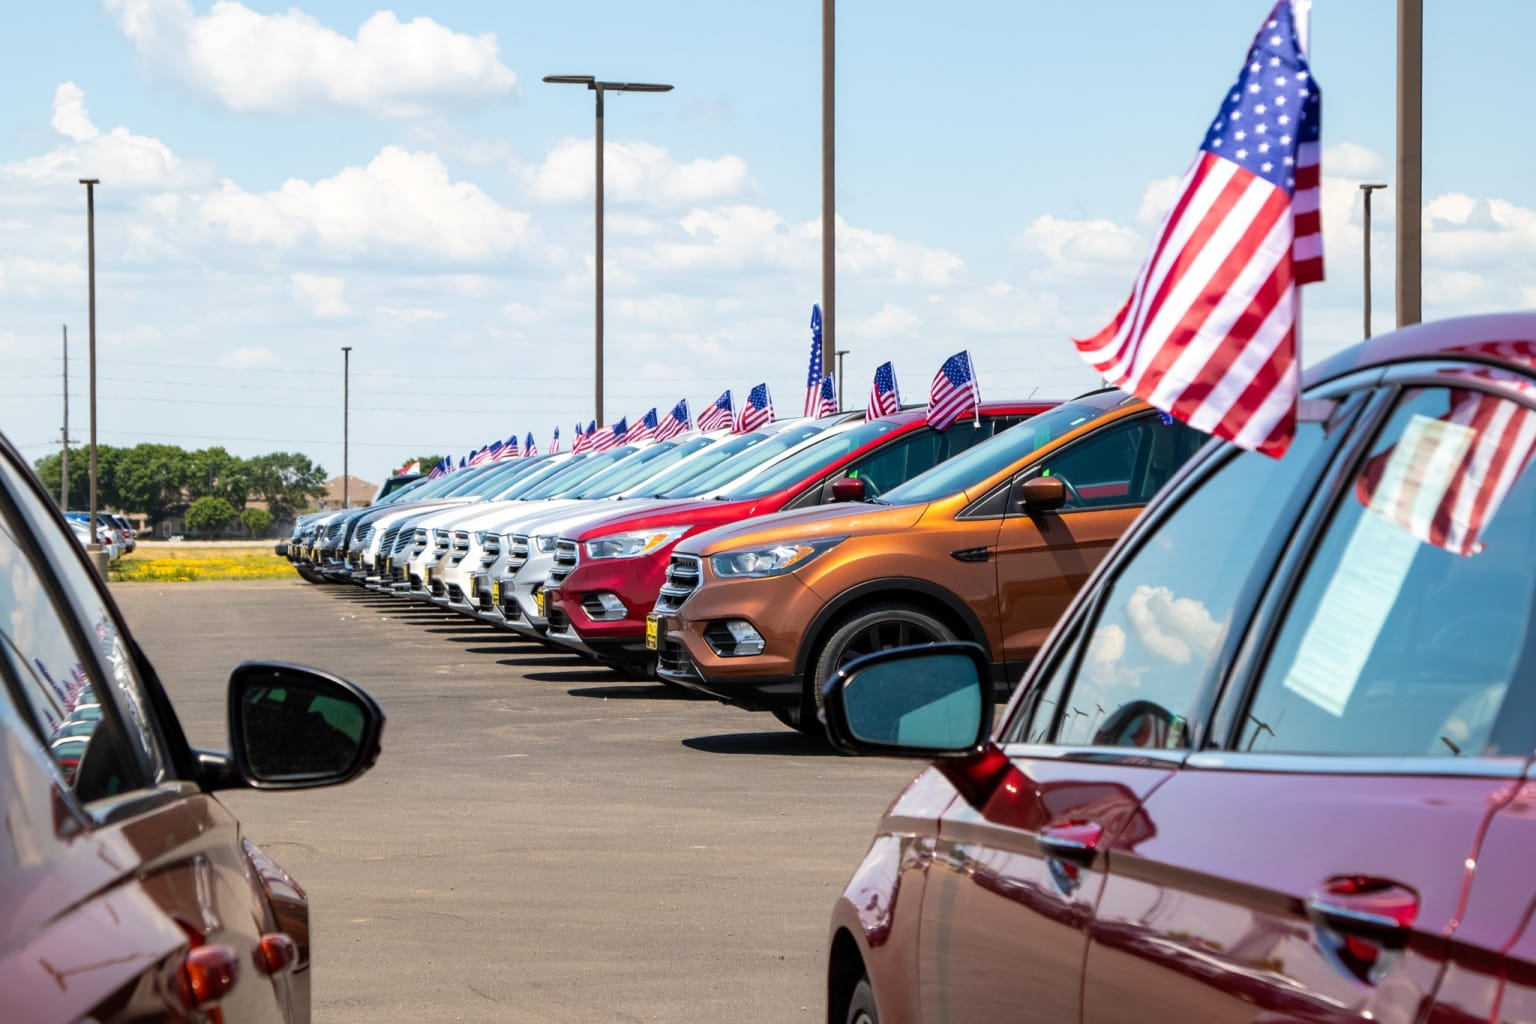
(1410, 160)
(828, 181)
(346, 407)
(90, 248)
(840, 353)
(599, 88)
(64, 452)
(1366, 190)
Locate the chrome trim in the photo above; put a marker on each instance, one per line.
(1347, 764)
(1318, 907)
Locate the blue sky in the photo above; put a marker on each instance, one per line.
(281, 180)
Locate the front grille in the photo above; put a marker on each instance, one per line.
(517, 554)
(672, 659)
(456, 593)
(566, 556)
(683, 575)
(418, 537)
(388, 541)
(333, 533)
(557, 620)
(491, 547)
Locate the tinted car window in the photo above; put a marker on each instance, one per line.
(984, 461)
(753, 457)
(809, 459)
(1395, 643)
(1125, 464)
(1165, 614)
(921, 450)
(677, 476)
(43, 643)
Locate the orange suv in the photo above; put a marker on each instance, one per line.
(989, 546)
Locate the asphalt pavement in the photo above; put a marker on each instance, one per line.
(541, 840)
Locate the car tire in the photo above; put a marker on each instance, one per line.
(871, 629)
(861, 1005)
(798, 720)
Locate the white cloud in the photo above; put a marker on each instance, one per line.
(402, 205)
(1081, 247)
(634, 172)
(324, 296)
(890, 321)
(122, 160)
(290, 62)
(34, 277)
(1156, 200)
(411, 316)
(249, 358)
(1349, 160)
(1174, 628)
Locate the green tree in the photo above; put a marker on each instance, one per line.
(149, 478)
(257, 520)
(50, 468)
(286, 481)
(210, 514)
(215, 473)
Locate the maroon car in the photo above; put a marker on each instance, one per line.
(1274, 763)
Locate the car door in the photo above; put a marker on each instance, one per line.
(1043, 558)
(1013, 886)
(117, 871)
(1309, 864)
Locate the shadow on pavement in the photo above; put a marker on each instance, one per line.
(626, 691)
(786, 742)
(546, 661)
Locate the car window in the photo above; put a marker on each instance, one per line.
(1415, 608)
(44, 644)
(921, 450)
(1123, 464)
(813, 457)
(753, 457)
(1166, 609)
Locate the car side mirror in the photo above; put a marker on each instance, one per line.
(1042, 494)
(931, 700)
(848, 488)
(292, 727)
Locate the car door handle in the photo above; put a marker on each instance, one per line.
(1073, 841)
(1363, 921)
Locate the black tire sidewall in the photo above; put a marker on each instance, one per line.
(862, 1002)
(829, 656)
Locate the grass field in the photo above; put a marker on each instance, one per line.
(162, 562)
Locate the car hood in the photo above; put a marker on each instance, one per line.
(840, 520)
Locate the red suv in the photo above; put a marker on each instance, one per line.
(605, 578)
(1274, 763)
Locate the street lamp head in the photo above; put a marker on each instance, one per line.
(586, 80)
(90, 181)
(1371, 187)
(635, 86)
(346, 348)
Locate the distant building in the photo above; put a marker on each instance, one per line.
(359, 493)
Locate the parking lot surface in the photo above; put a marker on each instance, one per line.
(541, 840)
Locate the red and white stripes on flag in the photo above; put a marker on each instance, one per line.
(719, 415)
(954, 391)
(1445, 478)
(884, 398)
(1209, 332)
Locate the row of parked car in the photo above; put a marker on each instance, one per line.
(114, 532)
(1271, 751)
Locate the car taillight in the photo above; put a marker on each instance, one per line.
(207, 975)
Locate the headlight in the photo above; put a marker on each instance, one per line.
(633, 545)
(756, 563)
(546, 544)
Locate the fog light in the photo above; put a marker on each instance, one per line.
(734, 638)
(603, 607)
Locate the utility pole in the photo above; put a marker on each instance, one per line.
(840, 353)
(1366, 190)
(346, 405)
(64, 455)
(1410, 160)
(828, 183)
(90, 244)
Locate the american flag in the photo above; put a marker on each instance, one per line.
(758, 411)
(1209, 332)
(675, 422)
(584, 438)
(718, 415)
(826, 403)
(486, 454)
(813, 373)
(554, 445)
(645, 427)
(610, 436)
(461, 462)
(1445, 478)
(414, 466)
(443, 465)
(509, 450)
(954, 391)
(884, 399)
(529, 448)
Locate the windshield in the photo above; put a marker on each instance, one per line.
(813, 457)
(734, 469)
(524, 472)
(578, 473)
(403, 492)
(646, 462)
(685, 471)
(991, 457)
(638, 478)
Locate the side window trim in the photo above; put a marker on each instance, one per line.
(1254, 653)
(1031, 471)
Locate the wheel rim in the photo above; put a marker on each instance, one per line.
(880, 636)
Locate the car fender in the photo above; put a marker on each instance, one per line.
(890, 588)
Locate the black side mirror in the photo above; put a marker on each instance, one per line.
(848, 488)
(1042, 494)
(292, 727)
(930, 701)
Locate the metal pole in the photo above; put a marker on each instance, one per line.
(1367, 190)
(840, 353)
(598, 326)
(1410, 159)
(828, 182)
(64, 455)
(90, 246)
(346, 406)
